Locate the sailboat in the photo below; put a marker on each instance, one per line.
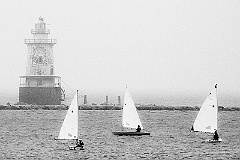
(69, 129)
(130, 118)
(206, 120)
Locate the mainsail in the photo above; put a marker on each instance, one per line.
(69, 129)
(206, 120)
(130, 118)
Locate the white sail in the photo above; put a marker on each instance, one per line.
(69, 129)
(206, 120)
(130, 118)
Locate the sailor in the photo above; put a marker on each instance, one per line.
(79, 143)
(215, 136)
(138, 128)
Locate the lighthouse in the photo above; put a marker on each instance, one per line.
(40, 86)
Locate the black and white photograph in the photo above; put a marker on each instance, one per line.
(120, 79)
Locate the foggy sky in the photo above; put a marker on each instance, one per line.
(153, 46)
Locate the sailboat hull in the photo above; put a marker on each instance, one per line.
(74, 148)
(130, 133)
(214, 141)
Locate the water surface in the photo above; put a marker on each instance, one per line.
(30, 135)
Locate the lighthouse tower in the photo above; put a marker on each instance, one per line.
(40, 86)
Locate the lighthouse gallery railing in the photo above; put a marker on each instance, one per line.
(52, 41)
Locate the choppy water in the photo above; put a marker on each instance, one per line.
(30, 135)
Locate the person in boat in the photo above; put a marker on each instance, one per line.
(79, 143)
(138, 128)
(215, 136)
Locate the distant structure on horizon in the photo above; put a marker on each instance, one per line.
(85, 99)
(106, 100)
(40, 86)
(119, 100)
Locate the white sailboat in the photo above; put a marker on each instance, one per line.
(206, 120)
(130, 118)
(69, 129)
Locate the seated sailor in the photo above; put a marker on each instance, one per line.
(215, 136)
(79, 143)
(138, 128)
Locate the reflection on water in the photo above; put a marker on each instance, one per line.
(30, 135)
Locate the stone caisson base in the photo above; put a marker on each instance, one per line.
(40, 95)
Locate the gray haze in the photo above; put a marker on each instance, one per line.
(158, 48)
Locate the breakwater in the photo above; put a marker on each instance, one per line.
(33, 107)
(109, 107)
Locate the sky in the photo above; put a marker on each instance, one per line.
(156, 47)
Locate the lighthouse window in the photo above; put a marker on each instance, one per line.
(51, 71)
(39, 82)
(40, 60)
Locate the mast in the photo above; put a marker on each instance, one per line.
(123, 106)
(217, 104)
(77, 116)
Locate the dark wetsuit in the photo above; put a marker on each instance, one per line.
(79, 144)
(138, 129)
(215, 136)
